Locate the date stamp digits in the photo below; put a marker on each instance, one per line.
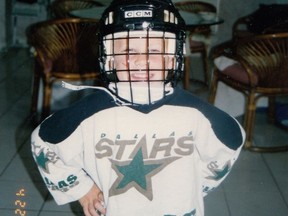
(20, 204)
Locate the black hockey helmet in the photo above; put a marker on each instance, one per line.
(123, 18)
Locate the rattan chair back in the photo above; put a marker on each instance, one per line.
(65, 49)
(267, 57)
(62, 8)
(195, 6)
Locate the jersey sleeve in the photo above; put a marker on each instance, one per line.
(218, 152)
(61, 167)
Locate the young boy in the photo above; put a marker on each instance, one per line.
(142, 146)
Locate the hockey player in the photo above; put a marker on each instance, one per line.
(141, 146)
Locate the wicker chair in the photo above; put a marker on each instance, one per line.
(65, 49)
(197, 46)
(261, 71)
(62, 8)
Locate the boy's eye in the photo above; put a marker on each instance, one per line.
(136, 51)
(154, 51)
(129, 51)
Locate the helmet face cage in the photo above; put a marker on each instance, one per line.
(141, 50)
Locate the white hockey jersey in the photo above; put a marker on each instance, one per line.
(149, 160)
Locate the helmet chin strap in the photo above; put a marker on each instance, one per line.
(141, 92)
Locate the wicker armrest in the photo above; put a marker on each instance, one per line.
(223, 49)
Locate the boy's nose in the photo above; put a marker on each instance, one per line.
(140, 61)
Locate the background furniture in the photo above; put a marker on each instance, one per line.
(260, 70)
(263, 19)
(62, 8)
(65, 49)
(197, 46)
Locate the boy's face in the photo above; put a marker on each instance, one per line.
(139, 59)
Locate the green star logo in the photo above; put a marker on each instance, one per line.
(220, 173)
(192, 213)
(43, 161)
(137, 174)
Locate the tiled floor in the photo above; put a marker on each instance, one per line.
(257, 186)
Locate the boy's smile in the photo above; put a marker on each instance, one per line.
(142, 57)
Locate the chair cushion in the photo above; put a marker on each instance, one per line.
(237, 72)
(196, 44)
(233, 69)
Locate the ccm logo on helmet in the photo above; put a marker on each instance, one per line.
(138, 13)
